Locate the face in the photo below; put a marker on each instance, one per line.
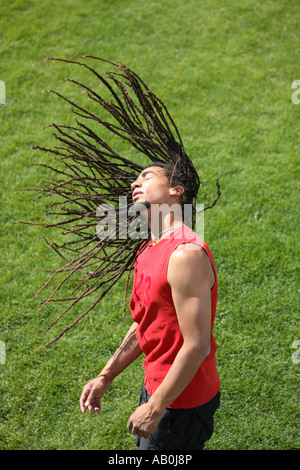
(151, 187)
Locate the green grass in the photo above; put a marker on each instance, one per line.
(225, 71)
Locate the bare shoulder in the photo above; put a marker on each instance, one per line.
(189, 254)
(189, 262)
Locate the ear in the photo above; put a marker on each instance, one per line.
(177, 190)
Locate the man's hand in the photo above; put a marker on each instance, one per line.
(92, 393)
(143, 421)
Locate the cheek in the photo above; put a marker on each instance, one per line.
(160, 191)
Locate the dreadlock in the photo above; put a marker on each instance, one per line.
(92, 173)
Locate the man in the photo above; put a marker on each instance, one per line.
(173, 306)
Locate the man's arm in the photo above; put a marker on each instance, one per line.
(191, 277)
(123, 357)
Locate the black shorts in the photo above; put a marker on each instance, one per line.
(180, 429)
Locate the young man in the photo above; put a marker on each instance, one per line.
(173, 307)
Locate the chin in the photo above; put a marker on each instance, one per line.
(141, 206)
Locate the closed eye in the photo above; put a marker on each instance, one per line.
(147, 174)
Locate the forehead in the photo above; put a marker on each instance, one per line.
(156, 170)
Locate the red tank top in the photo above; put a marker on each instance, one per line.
(158, 331)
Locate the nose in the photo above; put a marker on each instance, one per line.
(135, 184)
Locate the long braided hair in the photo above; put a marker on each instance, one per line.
(92, 174)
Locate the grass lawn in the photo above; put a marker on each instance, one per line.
(225, 71)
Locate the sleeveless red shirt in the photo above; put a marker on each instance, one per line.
(158, 331)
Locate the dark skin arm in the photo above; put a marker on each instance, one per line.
(191, 277)
(123, 357)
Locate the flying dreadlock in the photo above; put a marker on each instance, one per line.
(94, 174)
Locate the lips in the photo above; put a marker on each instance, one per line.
(136, 193)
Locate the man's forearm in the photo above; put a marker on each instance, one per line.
(182, 371)
(124, 356)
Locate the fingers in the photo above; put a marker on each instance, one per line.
(83, 400)
(88, 401)
(136, 430)
(92, 408)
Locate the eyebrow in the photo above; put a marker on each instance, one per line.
(155, 172)
(145, 173)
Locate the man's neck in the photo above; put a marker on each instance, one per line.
(163, 230)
